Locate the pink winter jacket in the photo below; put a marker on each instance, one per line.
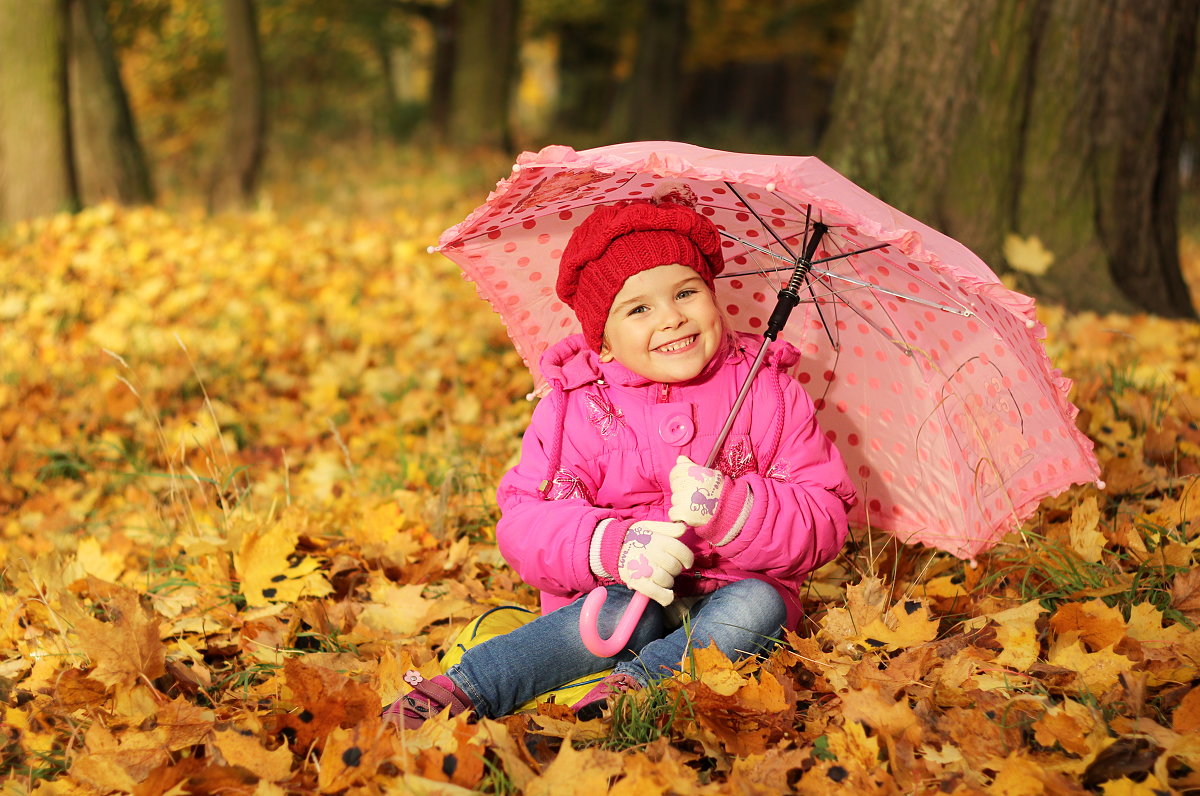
(602, 442)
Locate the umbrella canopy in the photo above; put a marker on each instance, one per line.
(926, 371)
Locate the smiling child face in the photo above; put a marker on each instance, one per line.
(663, 325)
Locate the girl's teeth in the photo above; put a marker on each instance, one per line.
(676, 345)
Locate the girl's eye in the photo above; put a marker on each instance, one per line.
(639, 309)
(686, 292)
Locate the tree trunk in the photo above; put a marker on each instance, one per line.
(441, 72)
(237, 178)
(587, 55)
(649, 106)
(1054, 119)
(484, 72)
(109, 162)
(36, 177)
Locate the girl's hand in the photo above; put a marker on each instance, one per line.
(695, 492)
(651, 556)
(716, 506)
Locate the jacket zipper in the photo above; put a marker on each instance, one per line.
(664, 393)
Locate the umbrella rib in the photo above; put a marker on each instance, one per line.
(790, 264)
(821, 313)
(821, 271)
(765, 225)
(904, 347)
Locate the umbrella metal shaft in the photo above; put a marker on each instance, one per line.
(788, 298)
(737, 404)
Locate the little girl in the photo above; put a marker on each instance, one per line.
(608, 492)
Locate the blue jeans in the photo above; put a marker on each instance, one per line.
(743, 618)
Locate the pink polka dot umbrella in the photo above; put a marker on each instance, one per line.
(926, 371)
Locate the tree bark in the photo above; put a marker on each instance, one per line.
(649, 106)
(587, 54)
(484, 72)
(109, 161)
(1055, 119)
(36, 177)
(237, 178)
(441, 72)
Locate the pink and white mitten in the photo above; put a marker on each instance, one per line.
(715, 505)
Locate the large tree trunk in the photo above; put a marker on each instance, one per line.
(1055, 119)
(36, 177)
(484, 73)
(649, 105)
(237, 179)
(441, 71)
(587, 55)
(109, 161)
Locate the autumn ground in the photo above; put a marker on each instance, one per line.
(247, 470)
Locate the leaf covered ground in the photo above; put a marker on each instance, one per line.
(246, 475)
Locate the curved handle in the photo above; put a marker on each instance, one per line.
(589, 623)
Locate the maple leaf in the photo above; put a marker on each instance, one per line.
(242, 748)
(577, 772)
(1185, 594)
(511, 755)
(1016, 633)
(1097, 671)
(1187, 713)
(1071, 726)
(268, 571)
(892, 718)
(1085, 538)
(1027, 255)
(126, 649)
(906, 624)
(75, 690)
(1019, 774)
(352, 756)
(866, 602)
(455, 757)
(325, 700)
(1095, 623)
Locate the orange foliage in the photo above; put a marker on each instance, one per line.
(248, 465)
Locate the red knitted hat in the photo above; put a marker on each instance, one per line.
(617, 241)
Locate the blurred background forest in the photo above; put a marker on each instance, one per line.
(1056, 138)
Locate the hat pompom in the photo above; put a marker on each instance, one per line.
(679, 193)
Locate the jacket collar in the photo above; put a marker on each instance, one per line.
(571, 363)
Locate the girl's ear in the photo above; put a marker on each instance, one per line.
(605, 353)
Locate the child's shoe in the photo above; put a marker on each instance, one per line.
(594, 701)
(428, 698)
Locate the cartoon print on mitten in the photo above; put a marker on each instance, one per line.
(695, 492)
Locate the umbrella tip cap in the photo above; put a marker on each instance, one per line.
(770, 186)
(1100, 484)
(432, 249)
(1030, 323)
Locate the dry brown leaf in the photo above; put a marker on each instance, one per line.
(1097, 671)
(1068, 725)
(1186, 719)
(325, 700)
(906, 624)
(1096, 624)
(582, 772)
(1185, 594)
(242, 748)
(126, 649)
(1084, 530)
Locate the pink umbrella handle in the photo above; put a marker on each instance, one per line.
(589, 623)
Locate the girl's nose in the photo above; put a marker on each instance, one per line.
(672, 317)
